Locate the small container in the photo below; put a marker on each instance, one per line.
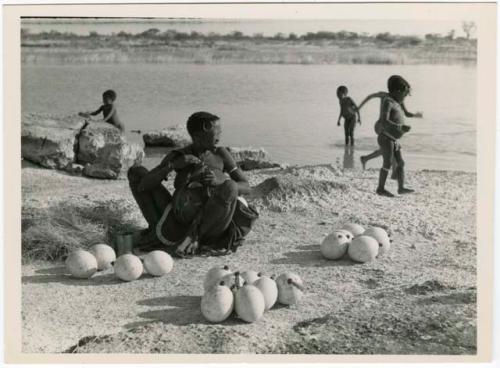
(125, 242)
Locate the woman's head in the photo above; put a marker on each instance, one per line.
(398, 86)
(204, 129)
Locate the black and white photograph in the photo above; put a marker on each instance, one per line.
(250, 185)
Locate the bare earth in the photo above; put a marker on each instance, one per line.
(418, 299)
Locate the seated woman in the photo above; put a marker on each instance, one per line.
(204, 212)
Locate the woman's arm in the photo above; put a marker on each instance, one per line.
(159, 173)
(234, 171)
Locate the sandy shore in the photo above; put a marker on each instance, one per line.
(418, 299)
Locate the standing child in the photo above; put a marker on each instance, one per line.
(348, 111)
(392, 127)
(108, 110)
(378, 124)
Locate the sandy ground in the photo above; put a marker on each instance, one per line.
(418, 299)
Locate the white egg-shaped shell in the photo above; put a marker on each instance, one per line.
(128, 267)
(334, 246)
(290, 288)
(230, 280)
(81, 264)
(363, 249)
(250, 276)
(269, 290)
(354, 229)
(381, 236)
(104, 254)
(158, 263)
(217, 303)
(249, 303)
(214, 275)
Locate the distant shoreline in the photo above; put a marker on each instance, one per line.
(153, 46)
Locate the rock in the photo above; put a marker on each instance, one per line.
(248, 153)
(249, 158)
(74, 169)
(169, 137)
(105, 152)
(247, 165)
(50, 141)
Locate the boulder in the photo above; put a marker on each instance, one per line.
(50, 141)
(105, 153)
(249, 158)
(169, 137)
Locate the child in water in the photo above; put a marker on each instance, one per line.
(378, 124)
(348, 111)
(391, 127)
(108, 110)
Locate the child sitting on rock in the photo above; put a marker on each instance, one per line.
(204, 213)
(108, 110)
(348, 111)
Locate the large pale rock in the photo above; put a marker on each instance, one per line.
(105, 152)
(50, 141)
(249, 158)
(169, 137)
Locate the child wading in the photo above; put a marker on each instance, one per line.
(108, 110)
(378, 123)
(204, 214)
(392, 127)
(349, 111)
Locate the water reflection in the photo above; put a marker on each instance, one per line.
(348, 157)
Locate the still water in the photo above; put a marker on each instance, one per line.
(290, 110)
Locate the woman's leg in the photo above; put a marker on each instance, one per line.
(151, 202)
(387, 148)
(214, 219)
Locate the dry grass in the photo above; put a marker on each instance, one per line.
(50, 233)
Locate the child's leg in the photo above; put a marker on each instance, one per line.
(350, 129)
(365, 159)
(151, 202)
(346, 131)
(400, 172)
(387, 148)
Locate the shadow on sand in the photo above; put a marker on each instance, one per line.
(182, 310)
(60, 275)
(310, 256)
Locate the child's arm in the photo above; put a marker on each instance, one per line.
(87, 114)
(356, 108)
(369, 97)
(338, 120)
(411, 115)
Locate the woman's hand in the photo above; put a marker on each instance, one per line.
(184, 161)
(209, 178)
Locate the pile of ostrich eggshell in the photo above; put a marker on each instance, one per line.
(360, 245)
(84, 264)
(249, 294)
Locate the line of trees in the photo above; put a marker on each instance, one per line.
(173, 35)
